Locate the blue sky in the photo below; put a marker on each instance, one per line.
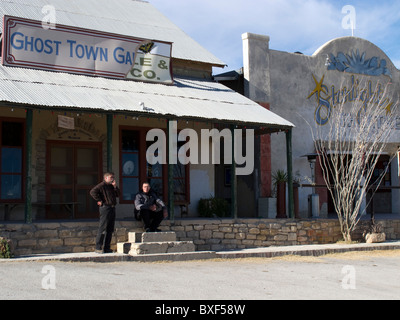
(293, 25)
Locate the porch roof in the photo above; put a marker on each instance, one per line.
(187, 98)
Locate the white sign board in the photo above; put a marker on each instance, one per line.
(75, 50)
(66, 122)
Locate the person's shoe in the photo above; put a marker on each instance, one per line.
(98, 251)
(158, 230)
(148, 230)
(108, 251)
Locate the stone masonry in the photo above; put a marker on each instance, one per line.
(206, 234)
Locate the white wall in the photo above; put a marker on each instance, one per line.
(291, 78)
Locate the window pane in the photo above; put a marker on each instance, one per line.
(60, 178)
(157, 186)
(130, 141)
(12, 134)
(87, 179)
(130, 187)
(61, 158)
(59, 196)
(87, 159)
(154, 171)
(179, 171)
(85, 205)
(179, 190)
(11, 187)
(11, 160)
(130, 164)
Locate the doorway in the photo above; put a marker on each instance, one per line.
(73, 169)
(382, 199)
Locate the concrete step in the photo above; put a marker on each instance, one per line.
(124, 247)
(155, 247)
(180, 256)
(143, 243)
(138, 237)
(162, 247)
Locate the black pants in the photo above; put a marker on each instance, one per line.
(106, 228)
(151, 219)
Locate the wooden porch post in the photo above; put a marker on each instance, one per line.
(290, 172)
(109, 142)
(171, 144)
(28, 166)
(234, 211)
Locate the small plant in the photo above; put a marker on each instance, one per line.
(279, 176)
(213, 207)
(373, 227)
(374, 233)
(5, 249)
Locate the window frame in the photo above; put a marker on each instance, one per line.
(23, 158)
(143, 166)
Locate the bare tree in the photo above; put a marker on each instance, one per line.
(358, 131)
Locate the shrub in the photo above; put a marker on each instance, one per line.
(5, 249)
(213, 207)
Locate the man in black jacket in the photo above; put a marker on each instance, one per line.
(106, 194)
(152, 210)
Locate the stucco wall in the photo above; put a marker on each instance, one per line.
(288, 81)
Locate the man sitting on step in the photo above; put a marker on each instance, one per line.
(152, 210)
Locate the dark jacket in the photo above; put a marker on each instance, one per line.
(144, 201)
(106, 193)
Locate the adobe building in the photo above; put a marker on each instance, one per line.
(304, 89)
(82, 84)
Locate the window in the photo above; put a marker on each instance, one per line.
(11, 158)
(130, 167)
(154, 175)
(180, 186)
(135, 169)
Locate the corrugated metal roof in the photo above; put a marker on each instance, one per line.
(187, 98)
(127, 17)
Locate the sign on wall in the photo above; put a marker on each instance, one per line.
(66, 122)
(75, 50)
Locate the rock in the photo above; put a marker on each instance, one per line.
(375, 237)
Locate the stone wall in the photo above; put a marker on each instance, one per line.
(207, 234)
(250, 233)
(60, 237)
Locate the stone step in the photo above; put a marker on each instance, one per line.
(138, 237)
(162, 247)
(180, 256)
(124, 247)
(144, 243)
(155, 247)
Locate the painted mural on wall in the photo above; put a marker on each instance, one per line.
(356, 63)
(328, 96)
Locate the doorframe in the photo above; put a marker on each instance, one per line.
(74, 144)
